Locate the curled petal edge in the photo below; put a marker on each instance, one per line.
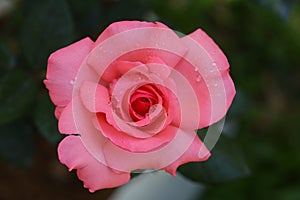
(94, 174)
(197, 152)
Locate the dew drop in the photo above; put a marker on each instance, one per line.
(214, 64)
(198, 79)
(196, 69)
(215, 84)
(72, 82)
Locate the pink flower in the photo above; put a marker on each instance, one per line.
(134, 98)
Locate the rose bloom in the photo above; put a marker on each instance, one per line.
(133, 99)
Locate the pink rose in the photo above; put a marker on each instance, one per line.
(133, 99)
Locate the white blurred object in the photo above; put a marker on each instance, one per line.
(159, 186)
(6, 7)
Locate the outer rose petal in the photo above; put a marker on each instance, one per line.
(210, 75)
(197, 152)
(136, 41)
(142, 56)
(58, 111)
(62, 69)
(118, 27)
(94, 174)
(201, 91)
(66, 123)
(211, 47)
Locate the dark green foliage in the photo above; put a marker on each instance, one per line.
(17, 143)
(47, 26)
(17, 92)
(45, 120)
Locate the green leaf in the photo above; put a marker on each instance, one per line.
(17, 144)
(225, 164)
(45, 120)
(47, 27)
(17, 92)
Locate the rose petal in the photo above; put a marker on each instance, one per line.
(154, 122)
(126, 128)
(122, 26)
(230, 88)
(58, 111)
(197, 152)
(158, 66)
(118, 68)
(200, 90)
(94, 174)
(170, 57)
(94, 97)
(62, 68)
(206, 68)
(66, 123)
(124, 66)
(168, 54)
(154, 64)
(211, 48)
(123, 160)
(134, 144)
(136, 43)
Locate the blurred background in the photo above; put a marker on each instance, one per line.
(261, 39)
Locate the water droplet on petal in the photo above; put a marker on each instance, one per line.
(198, 79)
(72, 82)
(215, 84)
(214, 64)
(196, 69)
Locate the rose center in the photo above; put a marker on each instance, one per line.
(141, 105)
(141, 101)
